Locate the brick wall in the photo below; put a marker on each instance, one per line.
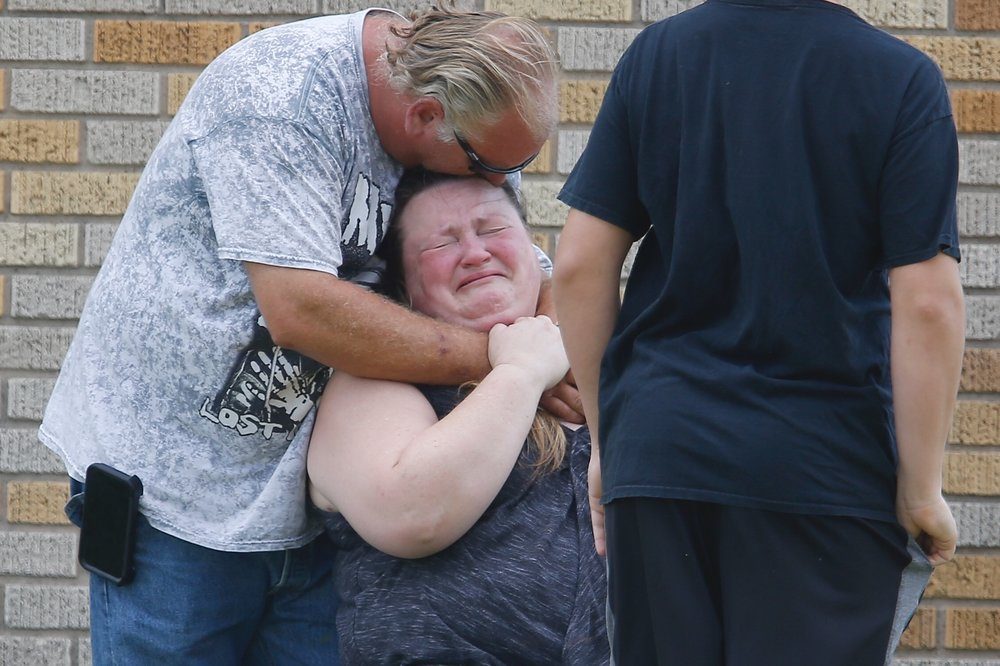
(88, 86)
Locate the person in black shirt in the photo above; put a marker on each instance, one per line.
(774, 390)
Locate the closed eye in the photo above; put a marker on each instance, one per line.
(443, 242)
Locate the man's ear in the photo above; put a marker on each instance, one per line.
(423, 116)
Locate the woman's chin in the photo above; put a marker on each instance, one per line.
(487, 321)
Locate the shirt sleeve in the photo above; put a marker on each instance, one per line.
(604, 181)
(919, 182)
(275, 194)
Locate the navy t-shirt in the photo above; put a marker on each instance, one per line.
(779, 156)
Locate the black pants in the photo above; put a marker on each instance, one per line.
(696, 583)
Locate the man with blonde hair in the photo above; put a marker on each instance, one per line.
(228, 294)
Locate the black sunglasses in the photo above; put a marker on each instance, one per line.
(479, 165)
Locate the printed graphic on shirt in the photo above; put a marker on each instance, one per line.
(365, 227)
(270, 390)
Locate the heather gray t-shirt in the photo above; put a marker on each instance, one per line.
(172, 375)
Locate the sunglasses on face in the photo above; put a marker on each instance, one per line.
(479, 166)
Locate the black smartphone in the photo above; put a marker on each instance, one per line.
(110, 512)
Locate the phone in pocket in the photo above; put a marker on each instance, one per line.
(110, 512)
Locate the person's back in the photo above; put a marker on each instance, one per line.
(754, 328)
(782, 158)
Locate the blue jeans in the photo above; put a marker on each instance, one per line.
(193, 605)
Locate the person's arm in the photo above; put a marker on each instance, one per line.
(409, 484)
(562, 400)
(586, 288)
(928, 334)
(349, 328)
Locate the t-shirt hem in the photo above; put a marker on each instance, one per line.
(163, 525)
(744, 501)
(944, 245)
(52, 444)
(274, 259)
(263, 545)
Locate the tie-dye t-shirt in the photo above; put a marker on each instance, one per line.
(172, 375)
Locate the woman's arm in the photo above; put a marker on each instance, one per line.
(412, 485)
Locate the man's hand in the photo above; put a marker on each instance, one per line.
(932, 526)
(596, 508)
(563, 401)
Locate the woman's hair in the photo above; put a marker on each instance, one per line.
(547, 437)
(478, 65)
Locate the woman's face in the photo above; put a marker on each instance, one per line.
(467, 258)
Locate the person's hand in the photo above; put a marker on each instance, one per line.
(532, 344)
(563, 401)
(596, 508)
(931, 524)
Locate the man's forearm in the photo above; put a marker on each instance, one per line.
(928, 331)
(349, 328)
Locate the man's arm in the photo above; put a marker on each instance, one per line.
(411, 484)
(928, 334)
(586, 290)
(349, 328)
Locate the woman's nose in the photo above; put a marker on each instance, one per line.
(474, 251)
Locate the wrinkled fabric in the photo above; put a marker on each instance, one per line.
(172, 375)
(523, 586)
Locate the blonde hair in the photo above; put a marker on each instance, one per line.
(549, 441)
(546, 439)
(478, 65)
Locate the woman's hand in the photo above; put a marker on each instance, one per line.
(532, 344)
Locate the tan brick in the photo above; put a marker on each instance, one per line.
(901, 13)
(257, 26)
(976, 423)
(543, 241)
(37, 502)
(565, 10)
(38, 244)
(963, 58)
(40, 141)
(542, 163)
(178, 86)
(972, 629)
(920, 634)
(579, 101)
(977, 15)
(976, 110)
(71, 193)
(972, 473)
(967, 577)
(162, 42)
(981, 370)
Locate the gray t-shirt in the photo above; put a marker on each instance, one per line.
(172, 375)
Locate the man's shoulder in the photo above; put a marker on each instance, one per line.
(269, 73)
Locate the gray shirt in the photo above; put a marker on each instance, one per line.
(523, 586)
(172, 375)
